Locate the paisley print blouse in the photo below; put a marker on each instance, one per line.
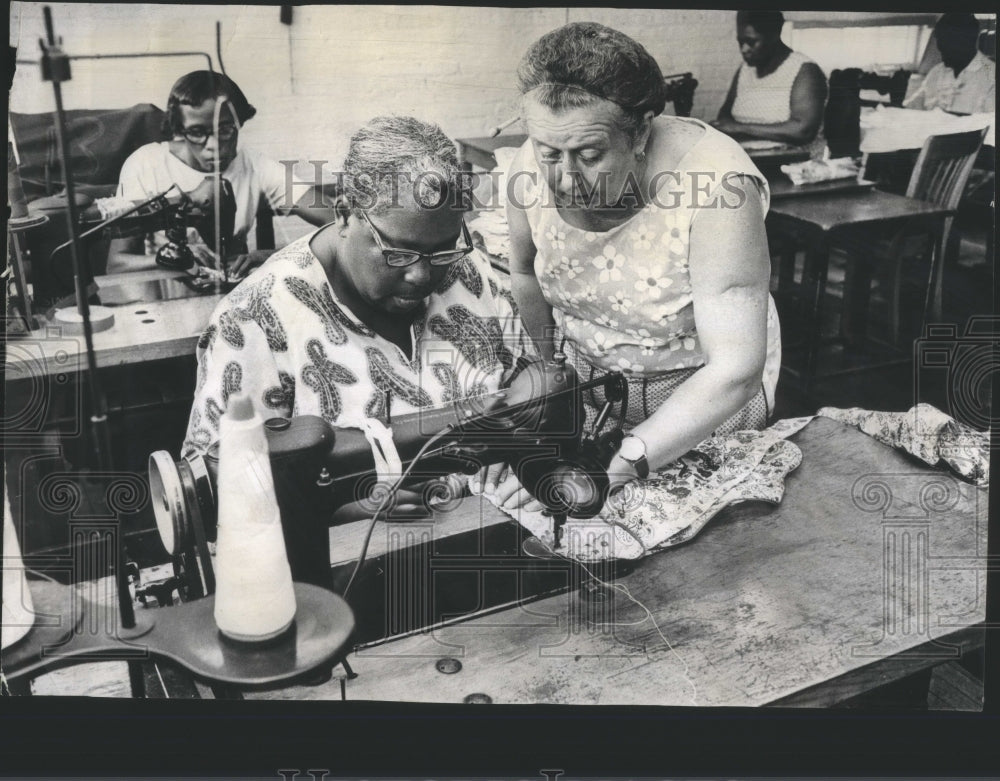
(282, 338)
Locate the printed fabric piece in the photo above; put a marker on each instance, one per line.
(927, 433)
(675, 503)
(282, 338)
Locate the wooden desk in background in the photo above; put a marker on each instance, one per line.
(813, 222)
(782, 187)
(143, 330)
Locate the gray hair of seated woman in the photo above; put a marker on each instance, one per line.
(393, 158)
(581, 62)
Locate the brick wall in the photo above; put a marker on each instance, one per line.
(317, 80)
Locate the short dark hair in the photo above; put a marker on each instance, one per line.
(765, 22)
(195, 88)
(576, 62)
(961, 26)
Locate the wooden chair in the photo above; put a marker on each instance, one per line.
(939, 176)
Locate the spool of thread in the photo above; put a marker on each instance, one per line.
(18, 614)
(254, 598)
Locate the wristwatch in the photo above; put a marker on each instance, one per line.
(633, 450)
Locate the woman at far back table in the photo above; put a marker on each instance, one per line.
(638, 245)
(777, 94)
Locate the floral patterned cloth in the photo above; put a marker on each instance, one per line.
(284, 339)
(927, 433)
(676, 502)
(623, 296)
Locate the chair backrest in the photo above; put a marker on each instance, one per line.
(99, 141)
(680, 92)
(264, 230)
(943, 167)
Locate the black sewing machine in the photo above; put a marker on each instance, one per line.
(172, 214)
(535, 424)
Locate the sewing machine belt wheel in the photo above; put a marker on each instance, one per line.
(169, 503)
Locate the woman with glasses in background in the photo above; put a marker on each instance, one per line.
(384, 311)
(188, 159)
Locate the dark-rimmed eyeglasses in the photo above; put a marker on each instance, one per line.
(198, 134)
(399, 258)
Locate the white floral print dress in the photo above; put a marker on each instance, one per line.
(622, 298)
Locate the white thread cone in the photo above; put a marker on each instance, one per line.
(254, 598)
(18, 614)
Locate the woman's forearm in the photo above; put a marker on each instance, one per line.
(534, 310)
(696, 408)
(789, 132)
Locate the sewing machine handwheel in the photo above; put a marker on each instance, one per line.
(169, 503)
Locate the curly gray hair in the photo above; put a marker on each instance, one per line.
(581, 62)
(391, 155)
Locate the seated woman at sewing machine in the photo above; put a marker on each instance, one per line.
(616, 260)
(384, 311)
(777, 94)
(195, 150)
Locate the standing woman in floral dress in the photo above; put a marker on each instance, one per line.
(638, 245)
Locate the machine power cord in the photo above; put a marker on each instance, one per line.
(388, 498)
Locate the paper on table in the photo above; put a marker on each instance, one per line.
(821, 170)
(891, 129)
(759, 144)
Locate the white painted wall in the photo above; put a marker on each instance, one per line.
(316, 81)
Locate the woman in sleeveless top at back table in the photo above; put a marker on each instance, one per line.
(777, 94)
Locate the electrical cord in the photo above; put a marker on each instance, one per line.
(388, 498)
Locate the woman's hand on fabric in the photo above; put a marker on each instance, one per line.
(499, 483)
(511, 495)
(203, 256)
(241, 265)
(485, 481)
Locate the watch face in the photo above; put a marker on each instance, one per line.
(632, 449)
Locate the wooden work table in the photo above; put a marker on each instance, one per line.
(872, 568)
(145, 330)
